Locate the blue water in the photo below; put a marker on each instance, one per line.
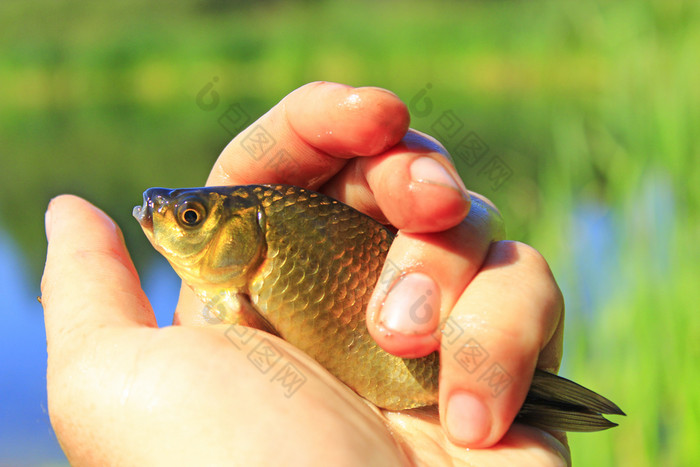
(25, 431)
(26, 436)
(598, 236)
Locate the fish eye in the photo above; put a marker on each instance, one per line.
(190, 216)
(190, 213)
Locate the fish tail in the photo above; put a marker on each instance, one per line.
(556, 403)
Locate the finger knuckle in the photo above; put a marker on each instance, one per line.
(537, 266)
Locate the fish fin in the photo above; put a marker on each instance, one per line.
(556, 403)
(254, 318)
(552, 418)
(234, 308)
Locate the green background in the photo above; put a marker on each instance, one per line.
(592, 108)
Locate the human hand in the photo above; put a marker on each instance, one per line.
(122, 390)
(351, 144)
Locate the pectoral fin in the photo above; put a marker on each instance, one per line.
(234, 308)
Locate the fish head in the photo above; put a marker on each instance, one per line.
(213, 237)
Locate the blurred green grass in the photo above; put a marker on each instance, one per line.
(588, 104)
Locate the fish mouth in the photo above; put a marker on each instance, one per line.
(153, 198)
(143, 214)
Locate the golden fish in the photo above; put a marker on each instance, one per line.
(308, 264)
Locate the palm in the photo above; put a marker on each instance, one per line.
(309, 402)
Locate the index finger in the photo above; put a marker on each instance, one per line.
(306, 138)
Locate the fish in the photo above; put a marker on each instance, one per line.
(307, 265)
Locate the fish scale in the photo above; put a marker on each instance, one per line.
(309, 264)
(344, 237)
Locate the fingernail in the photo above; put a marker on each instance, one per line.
(412, 306)
(468, 418)
(428, 170)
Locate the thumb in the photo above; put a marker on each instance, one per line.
(89, 281)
